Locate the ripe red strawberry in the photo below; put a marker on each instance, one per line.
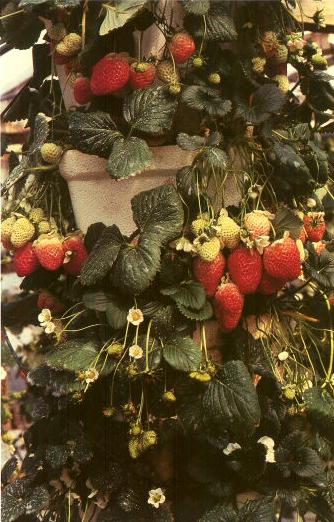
(48, 300)
(281, 260)
(269, 285)
(182, 46)
(25, 260)
(81, 90)
(142, 75)
(245, 268)
(315, 226)
(229, 303)
(209, 273)
(49, 250)
(109, 74)
(75, 254)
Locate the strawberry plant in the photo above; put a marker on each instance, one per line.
(189, 361)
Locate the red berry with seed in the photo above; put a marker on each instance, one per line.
(229, 303)
(182, 46)
(75, 254)
(142, 75)
(269, 285)
(314, 225)
(25, 260)
(48, 300)
(49, 251)
(81, 90)
(110, 74)
(281, 259)
(245, 268)
(209, 273)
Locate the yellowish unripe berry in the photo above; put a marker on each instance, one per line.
(36, 215)
(51, 153)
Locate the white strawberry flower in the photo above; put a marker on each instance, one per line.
(156, 497)
(45, 316)
(49, 327)
(261, 242)
(232, 446)
(269, 444)
(91, 375)
(135, 316)
(136, 351)
(183, 244)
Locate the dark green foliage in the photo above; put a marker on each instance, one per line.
(182, 353)
(19, 498)
(320, 408)
(294, 457)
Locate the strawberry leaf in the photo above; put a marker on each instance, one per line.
(320, 267)
(265, 101)
(206, 99)
(102, 257)
(203, 314)
(189, 294)
(293, 457)
(117, 15)
(117, 311)
(187, 142)
(158, 212)
(182, 353)
(196, 7)
(231, 401)
(320, 409)
(128, 157)
(92, 132)
(286, 221)
(56, 381)
(20, 498)
(150, 110)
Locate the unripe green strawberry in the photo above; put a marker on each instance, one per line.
(229, 303)
(150, 438)
(228, 231)
(44, 227)
(245, 268)
(199, 224)
(209, 273)
(169, 396)
(208, 249)
(283, 82)
(36, 215)
(51, 153)
(6, 231)
(319, 61)
(25, 260)
(269, 43)
(57, 32)
(23, 230)
(258, 64)
(198, 62)
(167, 73)
(174, 88)
(214, 78)
(70, 45)
(134, 448)
(281, 54)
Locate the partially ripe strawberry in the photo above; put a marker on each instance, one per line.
(142, 75)
(314, 225)
(182, 46)
(75, 254)
(257, 223)
(229, 303)
(48, 300)
(81, 90)
(245, 268)
(49, 250)
(109, 75)
(281, 259)
(25, 260)
(302, 235)
(269, 285)
(209, 273)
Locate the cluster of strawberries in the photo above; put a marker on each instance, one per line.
(254, 264)
(36, 242)
(115, 71)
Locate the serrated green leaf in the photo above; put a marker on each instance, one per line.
(117, 311)
(206, 99)
(214, 158)
(189, 294)
(219, 24)
(196, 7)
(95, 301)
(320, 267)
(150, 110)
(186, 183)
(320, 409)
(78, 355)
(231, 400)
(102, 257)
(92, 132)
(286, 220)
(187, 142)
(219, 513)
(57, 455)
(19, 498)
(294, 457)
(158, 212)
(59, 382)
(182, 353)
(261, 510)
(203, 314)
(265, 101)
(118, 13)
(128, 157)
(136, 266)
(41, 130)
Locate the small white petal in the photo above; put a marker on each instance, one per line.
(232, 446)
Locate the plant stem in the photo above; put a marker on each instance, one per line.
(11, 14)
